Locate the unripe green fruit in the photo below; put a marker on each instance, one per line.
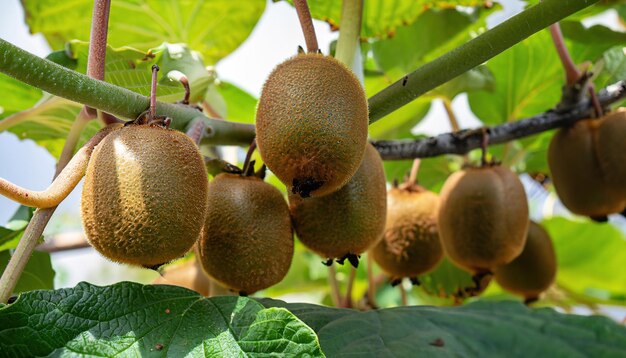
(247, 241)
(144, 197)
(410, 244)
(311, 124)
(534, 270)
(483, 219)
(348, 221)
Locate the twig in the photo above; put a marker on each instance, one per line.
(347, 302)
(471, 54)
(40, 219)
(350, 31)
(304, 15)
(371, 281)
(63, 82)
(572, 74)
(246, 162)
(454, 123)
(414, 170)
(465, 140)
(335, 295)
(403, 297)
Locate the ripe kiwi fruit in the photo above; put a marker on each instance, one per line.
(311, 124)
(145, 195)
(534, 270)
(611, 148)
(349, 221)
(579, 160)
(483, 218)
(410, 245)
(247, 241)
(188, 274)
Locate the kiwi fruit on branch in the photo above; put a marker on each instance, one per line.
(410, 246)
(145, 195)
(587, 163)
(346, 223)
(311, 124)
(534, 270)
(247, 242)
(483, 218)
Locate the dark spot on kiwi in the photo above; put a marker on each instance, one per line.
(304, 186)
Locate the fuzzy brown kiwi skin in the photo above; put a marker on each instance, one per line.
(311, 124)
(144, 196)
(410, 246)
(611, 149)
(483, 218)
(577, 171)
(247, 241)
(534, 270)
(348, 221)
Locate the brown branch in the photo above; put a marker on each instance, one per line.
(304, 15)
(466, 140)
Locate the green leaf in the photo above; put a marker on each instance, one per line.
(213, 28)
(16, 96)
(11, 234)
(528, 81)
(37, 275)
(588, 44)
(232, 103)
(383, 18)
(480, 329)
(590, 257)
(48, 123)
(129, 319)
(611, 68)
(131, 69)
(414, 45)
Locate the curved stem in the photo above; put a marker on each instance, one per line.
(40, 219)
(371, 281)
(304, 15)
(98, 39)
(471, 54)
(350, 31)
(109, 98)
(246, 162)
(62, 185)
(414, 170)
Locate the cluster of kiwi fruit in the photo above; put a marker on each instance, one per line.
(485, 229)
(587, 161)
(312, 121)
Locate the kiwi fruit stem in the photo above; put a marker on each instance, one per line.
(63, 184)
(304, 15)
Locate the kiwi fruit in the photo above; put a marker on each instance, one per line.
(483, 218)
(188, 274)
(611, 149)
(311, 124)
(247, 241)
(578, 173)
(534, 270)
(410, 245)
(349, 221)
(145, 195)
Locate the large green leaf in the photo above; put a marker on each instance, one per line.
(37, 275)
(131, 69)
(213, 28)
(528, 81)
(11, 234)
(588, 44)
(612, 67)
(231, 102)
(129, 320)
(16, 96)
(590, 257)
(481, 329)
(383, 18)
